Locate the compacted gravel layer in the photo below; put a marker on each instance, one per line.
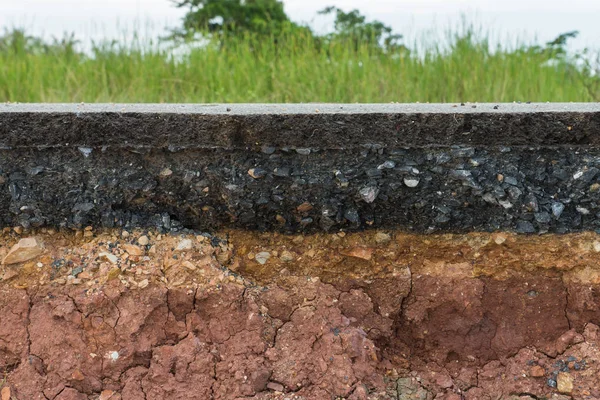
(115, 314)
(452, 189)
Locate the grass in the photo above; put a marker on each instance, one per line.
(297, 69)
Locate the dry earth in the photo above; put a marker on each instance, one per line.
(377, 315)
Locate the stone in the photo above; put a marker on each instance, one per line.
(537, 371)
(382, 238)
(277, 387)
(166, 172)
(557, 209)
(411, 182)
(304, 207)
(364, 253)
(133, 249)
(499, 238)
(108, 257)
(27, 249)
(77, 375)
(257, 173)
(144, 283)
(184, 245)
(387, 165)
(286, 256)
(143, 240)
(564, 382)
(5, 393)
(369, 193)
(262, 257)
(106, 395)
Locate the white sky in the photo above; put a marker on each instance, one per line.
(95, 19)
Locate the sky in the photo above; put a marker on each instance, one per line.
(541, 20)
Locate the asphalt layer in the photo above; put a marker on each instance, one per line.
(529, 168)
(297, 126)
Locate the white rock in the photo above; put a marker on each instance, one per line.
(185, 244)
(25, 250)
(411, 182)
(262, 257)
(109, 257)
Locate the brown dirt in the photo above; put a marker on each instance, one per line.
(359, 316)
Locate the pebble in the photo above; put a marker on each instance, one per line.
(382, 238)
(387, 165)
(499, 238)
(597, 246)
(133, 249)
(166, 172)
(304, 207)
(557, 209)
(143, 284)
(5, 393)
(286, 256)
(25, 250)
(262, 257)
(411, 182)
(106, 395)
(537, 371)
(369, 193)
(257, 173)
(125, 234)
(109, 257)
(143, 240)
(360, 252)
(525, 227)
(185, 244)
(277, 387)
(564, 382)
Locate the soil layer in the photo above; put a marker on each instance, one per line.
(379, 315)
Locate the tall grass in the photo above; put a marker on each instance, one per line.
(295, 68)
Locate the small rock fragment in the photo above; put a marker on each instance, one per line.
(25, 250)
(257, 173)
(382, 238)
(286, 256)
(304, 207)
(411, 182)
(369, 193)
(277, 387)
(499, 238)
(360, 252)
(564, 382)
(166, 172)
(143, 240)
(106, 395)
(537, 371)
(143, 284)
(133, 249)
(557, 209)
(262, 257)
(5, 393)
(77, 375)
(109, 257)
(185, 244)
(189, 265)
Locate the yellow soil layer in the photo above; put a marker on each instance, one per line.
(180, 260)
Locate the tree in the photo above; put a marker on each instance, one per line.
(234, 16)
(353, 26)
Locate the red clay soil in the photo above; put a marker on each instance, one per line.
(102, 315)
